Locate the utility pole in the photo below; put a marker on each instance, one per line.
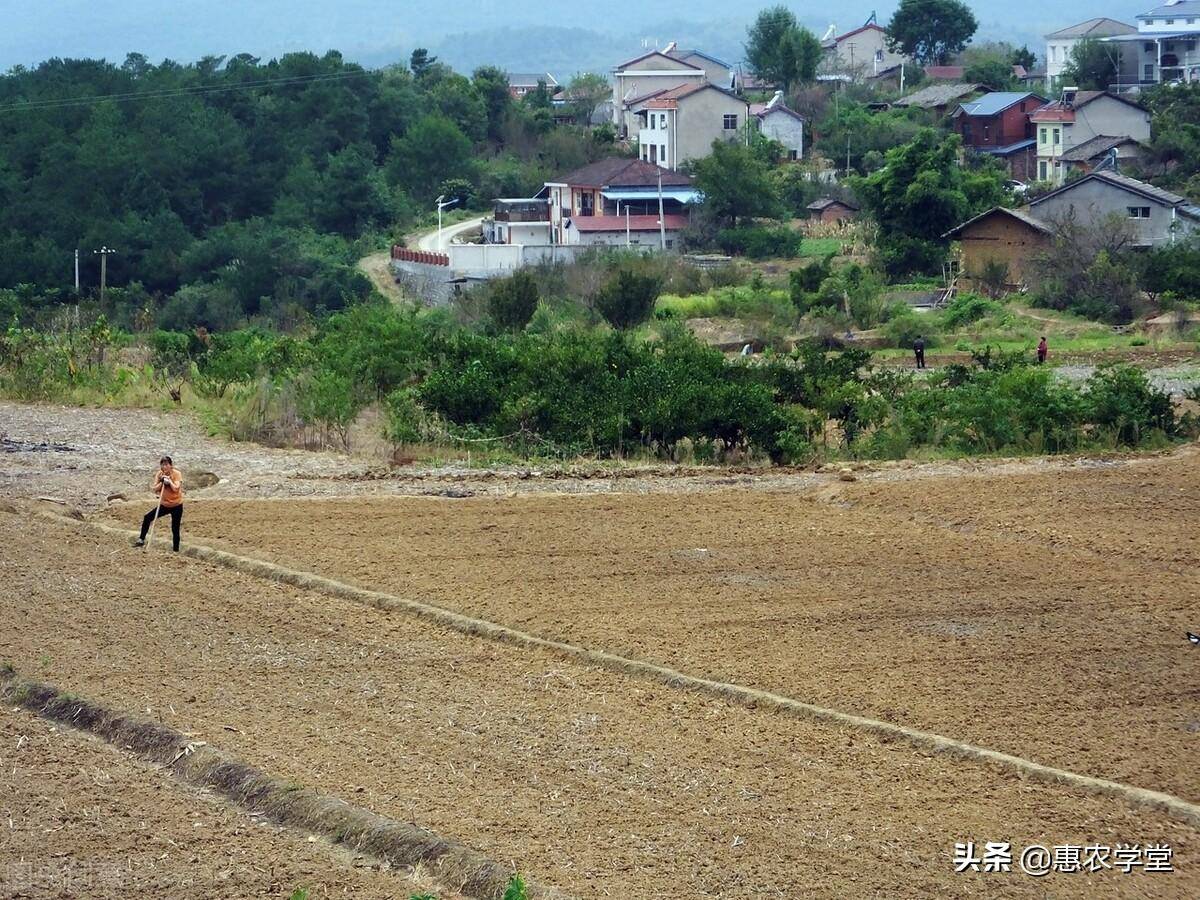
(76, 271)
(104, 253)
(847, 155)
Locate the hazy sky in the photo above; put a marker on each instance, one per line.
(376, 31)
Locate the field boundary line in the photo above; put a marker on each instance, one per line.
(1176, 807)
(456, 866)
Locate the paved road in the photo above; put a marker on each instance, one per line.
(429, 241)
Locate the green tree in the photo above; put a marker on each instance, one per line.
(491, 84)
(512, 301)
(433, 150)
(996, 72)
(585, 92)
(780, 50)
(736, 182)
(627, 299)
(420, 62)
(931, 31)
(1092, 67)
(1023, 56)
(919, 195)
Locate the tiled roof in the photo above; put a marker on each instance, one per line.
(939, 95)
(826, 202)
(1186, 8)
(1167, 198)
(621, 172)
(841, 37)
(636, 223)
(1020, 215)
(1097, 146)
(669, 98)
(636, 59)
(1094, 28)
(683, 55)
(531, 79)
(1009, 149)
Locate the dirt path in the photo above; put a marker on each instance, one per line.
(82, 819)
(595, 783)
(377, 267)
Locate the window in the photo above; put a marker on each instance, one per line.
(730, 123)
(1139, 212)
(662, 153)
(1057, 135)
(987, 131)
(1042, 171)
(1148, 71)
(1148, 47)
(1043, 134)
(793, 155)
(1053, 53)
(1169, 22)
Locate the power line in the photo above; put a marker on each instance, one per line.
(168, 93)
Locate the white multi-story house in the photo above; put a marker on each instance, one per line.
(681, 123)
(1078, 118)
(1061, 44)
(1166, 47)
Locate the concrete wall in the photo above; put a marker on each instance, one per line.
(1106, 115)
(1091, 201)
(785, 128)
(486, 260)
(855, 56)
(700, 121)
(430, 284)
(715, 72)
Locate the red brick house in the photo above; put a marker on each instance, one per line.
(831, 210)
(998, 124)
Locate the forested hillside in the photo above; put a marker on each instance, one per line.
(223, 183)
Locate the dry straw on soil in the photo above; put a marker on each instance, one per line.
(1176, 807)
(453, 865)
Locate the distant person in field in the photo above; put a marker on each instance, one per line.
(168, 485)
(1042, 351)
(919, 352)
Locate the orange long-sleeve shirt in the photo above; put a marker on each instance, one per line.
(171, 496)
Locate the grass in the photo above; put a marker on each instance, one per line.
(818, 246)
(728, 302)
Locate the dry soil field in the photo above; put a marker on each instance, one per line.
(1039, 611)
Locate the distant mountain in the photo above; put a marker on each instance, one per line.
(535, 34)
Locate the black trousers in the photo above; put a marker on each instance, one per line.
(176, 514)
(920, 354)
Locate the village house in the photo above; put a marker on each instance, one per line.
(522, 83)
(942, 99)
(1157, 216)
(1099, 151)
(1079, 118)
(680, 123)
(858, 54)
(616, 202)
(717, 71)
(1061, 44)
(998, 124)
(781, 124)
(831, 211)
(1163, 50)
(646, 75)
(1010, 238)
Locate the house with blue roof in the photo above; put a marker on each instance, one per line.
(998, 124)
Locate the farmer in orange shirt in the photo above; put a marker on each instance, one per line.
(168, 484)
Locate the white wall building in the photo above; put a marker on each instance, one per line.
(1061, 43)
(1166, 47)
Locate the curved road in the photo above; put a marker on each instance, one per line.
(429, 242)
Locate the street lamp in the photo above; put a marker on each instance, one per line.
(440, 206)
